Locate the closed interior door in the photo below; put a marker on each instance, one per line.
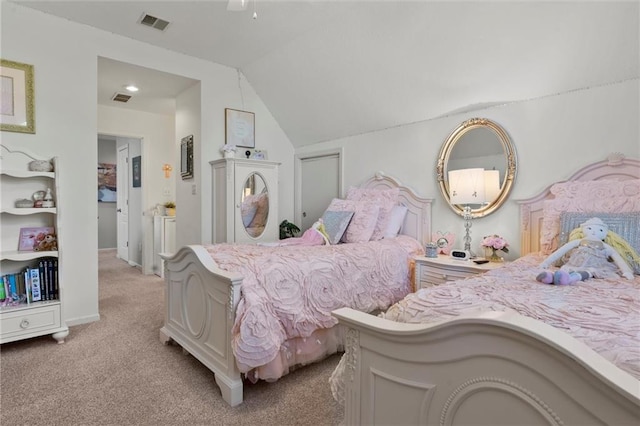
(122, 179)
(320, 183)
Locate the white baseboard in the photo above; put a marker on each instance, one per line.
(82, 320)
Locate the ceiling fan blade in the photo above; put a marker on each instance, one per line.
(237, 5)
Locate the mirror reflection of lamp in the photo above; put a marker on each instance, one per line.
(491, 185)
(167, 170)
(467, 187)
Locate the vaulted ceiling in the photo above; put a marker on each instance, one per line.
(331, 69)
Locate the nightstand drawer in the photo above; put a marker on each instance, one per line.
(432, 271)
(437, 276)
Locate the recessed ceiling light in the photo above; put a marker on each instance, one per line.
(131, 88)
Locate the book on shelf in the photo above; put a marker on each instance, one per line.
(34, 275)
(32, 284)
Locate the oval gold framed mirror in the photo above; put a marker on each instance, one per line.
(479, 143)
(254, 206)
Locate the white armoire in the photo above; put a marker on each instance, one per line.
(244, 201)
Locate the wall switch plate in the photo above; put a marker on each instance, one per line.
(193, 189)
(166, 191)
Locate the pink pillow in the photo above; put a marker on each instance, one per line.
(364, 219)
(386, 199)
(603, 196)
(261, 202)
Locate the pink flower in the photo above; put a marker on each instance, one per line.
(495, 242)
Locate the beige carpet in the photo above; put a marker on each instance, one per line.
(116, 372)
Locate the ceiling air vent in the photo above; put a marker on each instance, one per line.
(121, 97)
(153, 22)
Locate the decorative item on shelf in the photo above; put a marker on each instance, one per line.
(229, 151)
(444, 241)
(467, 188)
(431, 249)
(492, 244)
(47, 201)
(170, 208)
(33, 237)
(288, 230)
(48, 243)
(24, 203)
(38, 198)
(40, 166)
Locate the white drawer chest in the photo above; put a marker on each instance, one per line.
(432, 271)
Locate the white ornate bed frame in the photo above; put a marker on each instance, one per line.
(490, 368)
(201, 299)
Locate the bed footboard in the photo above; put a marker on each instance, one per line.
(489, 368)
(200, 304)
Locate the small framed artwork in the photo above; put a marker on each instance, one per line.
(32, 238)
(16, 97)
(239, 129)
(136, 172)
(186, 157)
(107, 180)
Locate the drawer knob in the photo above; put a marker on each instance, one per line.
(24, 323)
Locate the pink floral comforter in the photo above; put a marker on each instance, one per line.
(602, 313)
(289, 292)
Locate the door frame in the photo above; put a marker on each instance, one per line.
(297, 175)
(147, 230)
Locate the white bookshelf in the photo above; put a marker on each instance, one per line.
(26, 320)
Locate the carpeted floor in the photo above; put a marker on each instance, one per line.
(116, 372)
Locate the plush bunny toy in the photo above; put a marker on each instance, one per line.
(589, 258)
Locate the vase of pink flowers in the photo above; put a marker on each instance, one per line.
(493, 244)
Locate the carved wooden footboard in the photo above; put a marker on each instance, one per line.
(491, 368)
(200, 302)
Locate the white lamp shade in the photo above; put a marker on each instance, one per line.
(466, 186)
(491, 185)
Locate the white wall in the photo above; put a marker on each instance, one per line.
(189, 210)
(64, 56)
(554, 136)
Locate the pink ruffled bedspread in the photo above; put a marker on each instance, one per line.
(602, 313)
(289, 292)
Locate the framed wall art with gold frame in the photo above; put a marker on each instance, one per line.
(16, 97)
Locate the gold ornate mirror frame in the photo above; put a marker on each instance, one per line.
(442, 168)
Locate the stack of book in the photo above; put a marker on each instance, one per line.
(33, 284)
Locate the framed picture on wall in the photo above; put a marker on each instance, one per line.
(186, 157)
(16, 97)
(107, 183)
(239, 128)
(136, 171)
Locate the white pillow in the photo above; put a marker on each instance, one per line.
(396, 220)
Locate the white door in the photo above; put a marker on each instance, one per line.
(122, 209)
(320, 182)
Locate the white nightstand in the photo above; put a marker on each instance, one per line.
(432, 271)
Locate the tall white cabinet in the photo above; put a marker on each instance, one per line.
(241, 190)
(164, 241)
(22, 318)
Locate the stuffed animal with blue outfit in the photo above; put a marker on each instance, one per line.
(589, 254)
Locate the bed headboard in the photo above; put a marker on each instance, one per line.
(615, 167)
(417, 223)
